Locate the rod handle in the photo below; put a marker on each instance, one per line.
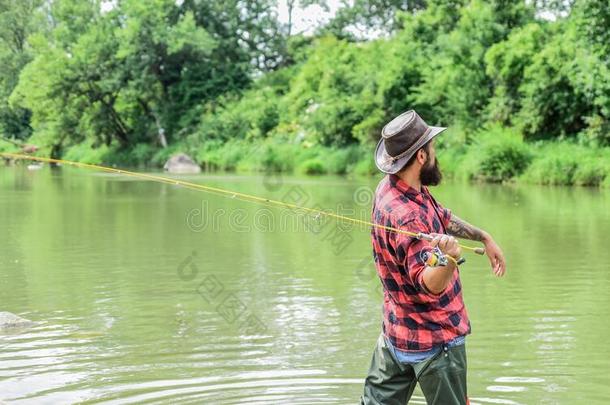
(424, 236)
(421, 235)
(479, 251)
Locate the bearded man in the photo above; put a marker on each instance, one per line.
(424, 318)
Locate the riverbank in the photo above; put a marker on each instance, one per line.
(495, 155)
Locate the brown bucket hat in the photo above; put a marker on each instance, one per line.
(400, 139)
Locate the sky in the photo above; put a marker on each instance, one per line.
(305, 20)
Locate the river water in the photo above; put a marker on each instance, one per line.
(152, 293)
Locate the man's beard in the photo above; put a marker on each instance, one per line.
(430, 175)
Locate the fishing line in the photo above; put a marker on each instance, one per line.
(229, 193)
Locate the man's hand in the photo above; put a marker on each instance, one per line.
(462, 229)
(495, 255)
(447, 244)
(436, 279)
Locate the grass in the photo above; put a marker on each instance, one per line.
(494, 154)
(569, 164)
(500, 155)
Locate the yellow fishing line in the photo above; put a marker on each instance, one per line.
(232, 194)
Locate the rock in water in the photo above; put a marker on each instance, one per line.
(9, 321)
(181, 163)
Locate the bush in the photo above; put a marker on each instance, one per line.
(342, 161)
(569, 164)
(590, 173)
(497, 154)
(8, 147)
(214, 154)
(85, 152)
(139, 155)
(597, 132)
(249, 155)
(161, 156)
(273, 159)
(450, 151)
(606, 182)
(552, 168)
(142, 153)
(366, 166)
(451, 163)
(269, 155)
(313, 166)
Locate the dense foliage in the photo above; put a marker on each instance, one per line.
(135, 82)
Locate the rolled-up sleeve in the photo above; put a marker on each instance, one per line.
(412, 251)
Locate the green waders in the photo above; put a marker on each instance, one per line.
(442, 378)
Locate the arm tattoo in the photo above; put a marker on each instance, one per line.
(462, 229)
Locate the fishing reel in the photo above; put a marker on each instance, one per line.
(436, 258)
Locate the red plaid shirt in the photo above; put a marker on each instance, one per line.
(413, 318)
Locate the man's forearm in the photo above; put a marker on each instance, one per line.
(462, 229)
(436, 279)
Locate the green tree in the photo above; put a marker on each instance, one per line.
(455, 86)
(248, 33)
(505, 63)
(368, 17)
(18, 20)
(118, 80)
(556, 78)
(551, 106)
(591, 71)
(159, 47)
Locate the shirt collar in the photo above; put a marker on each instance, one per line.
(403, 187)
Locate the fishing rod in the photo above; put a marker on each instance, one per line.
(434, 259)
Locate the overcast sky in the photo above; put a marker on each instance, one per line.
(307, 19)
(303, 20)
